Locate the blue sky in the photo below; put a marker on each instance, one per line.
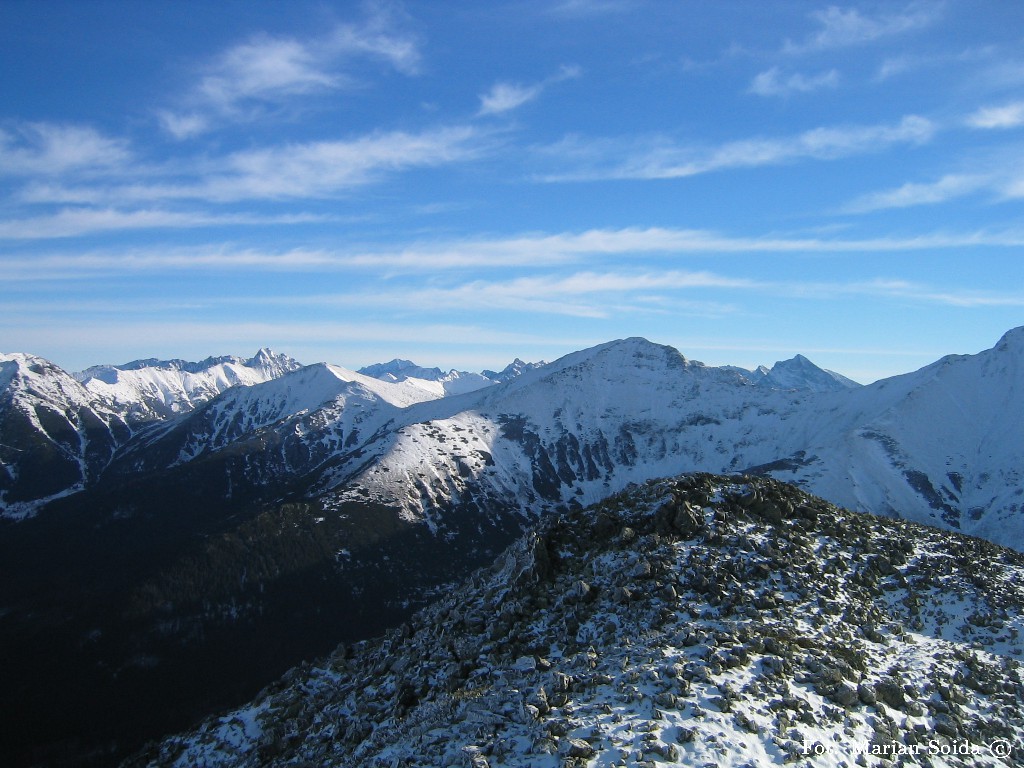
(461, 183)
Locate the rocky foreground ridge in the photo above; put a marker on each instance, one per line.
(701, 620)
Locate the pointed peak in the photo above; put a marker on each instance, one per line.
(272, 362)
(799, 373)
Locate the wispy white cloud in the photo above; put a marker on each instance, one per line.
(507, 96)
(49, 149)
(897, 65)
(267, 70)
(1013, 188)
(772, 82)
(667, 160)
(586, 8)
(535, 250)
(582, 294)
(73, 222)
(844, 27)
(183, 125)
(924, 293)
(1004, 116)
(77, 265)
(905, 62)
(383, 34)
(318, 169)
(948, 187)
(504, 97)
(305, 170)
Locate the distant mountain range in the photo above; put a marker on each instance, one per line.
(940, 445)
(63, 430)
(179, 533)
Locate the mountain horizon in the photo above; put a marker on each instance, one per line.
(255, 512)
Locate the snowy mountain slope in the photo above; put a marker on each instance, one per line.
(55, 437)
(282, 428)
(578, 429)
(697, 621)
(941, 445)
(149, 390)
(59, 432)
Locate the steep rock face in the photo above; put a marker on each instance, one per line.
(700, 620)
(55, 437)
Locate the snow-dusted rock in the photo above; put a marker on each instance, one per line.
(707, 673)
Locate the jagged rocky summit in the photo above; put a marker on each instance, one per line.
(696, 621)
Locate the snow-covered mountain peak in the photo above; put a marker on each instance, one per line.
(401, 392)
(800, 373)
(30, 375)
(516, 368)
(452, 383)
(272, 363)
(399, 370)
(310, 387)
(1012, 341)
(56, 435)
(634, 352)
(151, 389)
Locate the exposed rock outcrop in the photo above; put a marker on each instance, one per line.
(701, 620)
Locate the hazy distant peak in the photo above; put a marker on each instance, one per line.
(516, 368)
(800, 373)
(400, 370)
